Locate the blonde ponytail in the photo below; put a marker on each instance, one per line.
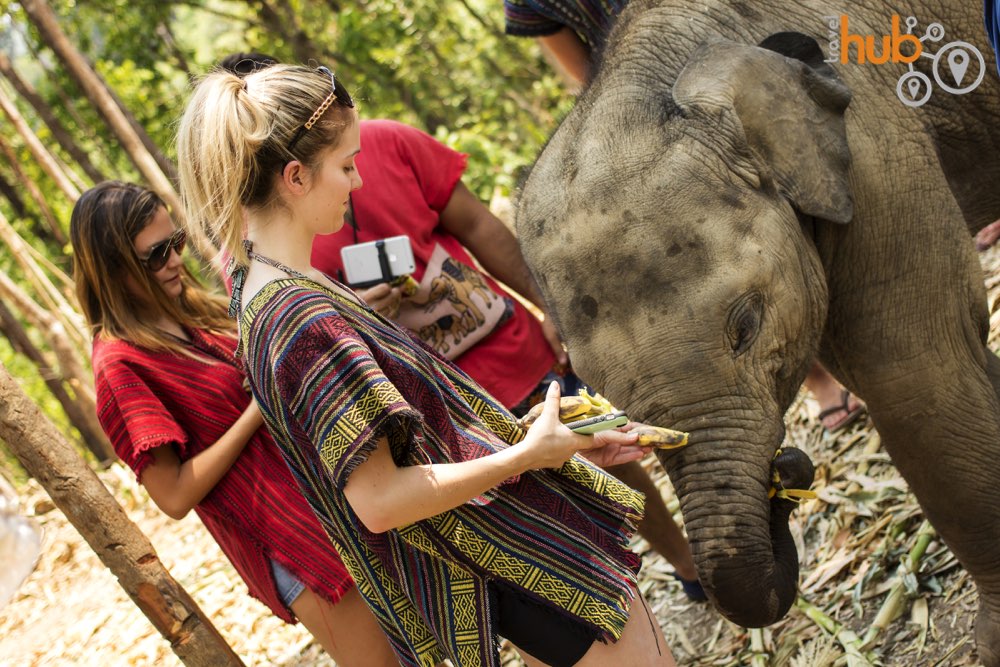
(231, 144)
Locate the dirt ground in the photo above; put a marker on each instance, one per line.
(851, 539)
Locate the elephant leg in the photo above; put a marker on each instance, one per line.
(939, 418)
(657, 526)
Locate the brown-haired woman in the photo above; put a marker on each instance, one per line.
(455, 524)
(173, 400)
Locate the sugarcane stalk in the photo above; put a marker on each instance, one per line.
(871, 448)
(759, 658)
(851, 643)
(895, 602)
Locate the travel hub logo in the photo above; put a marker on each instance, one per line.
(963, 64)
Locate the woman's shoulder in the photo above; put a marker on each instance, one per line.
(107, 350)
(288, 305)
(288, 295)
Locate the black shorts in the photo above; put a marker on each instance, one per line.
(544, 633)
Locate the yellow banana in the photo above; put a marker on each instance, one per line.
(660, 438)
(600, 404)
(570, 408)
(406, 284)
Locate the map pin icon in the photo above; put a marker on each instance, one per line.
(914, 86)
(958, 63)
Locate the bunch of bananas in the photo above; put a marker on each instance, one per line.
(572, 408)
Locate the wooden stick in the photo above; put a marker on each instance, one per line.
(118, 542)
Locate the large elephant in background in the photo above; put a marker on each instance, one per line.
(722, 206)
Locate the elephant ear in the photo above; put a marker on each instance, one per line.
(783, 109)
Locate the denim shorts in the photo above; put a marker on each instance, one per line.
(289, 588)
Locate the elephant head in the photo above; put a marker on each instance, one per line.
(669, 225)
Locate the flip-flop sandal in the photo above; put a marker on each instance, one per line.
(849, 418)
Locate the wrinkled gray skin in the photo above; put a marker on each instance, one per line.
(712, 215)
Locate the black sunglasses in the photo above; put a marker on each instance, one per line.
(159, 254)
(338, 94)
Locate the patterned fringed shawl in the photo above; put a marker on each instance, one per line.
(330, 378)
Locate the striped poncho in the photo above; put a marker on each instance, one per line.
(331, 377)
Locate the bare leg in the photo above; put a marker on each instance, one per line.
(657, 526)
(347, 631)
(829, 394)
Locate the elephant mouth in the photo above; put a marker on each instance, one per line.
(791, 471)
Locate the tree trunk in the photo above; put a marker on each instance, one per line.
(12, 196)
(44, 112)
(118, 542)
(81, 413)
(44, 20)
(42, 155)
(36, 194)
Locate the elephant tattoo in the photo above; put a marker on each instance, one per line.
(723, 206)
(472, 278)
(435, 334)
(459, 293)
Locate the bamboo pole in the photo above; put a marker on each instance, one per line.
(759, 656)
(44, 111)
(895, 602)
(68, 357)
(81, 413)
(118, 542)
(72, 320)
(850, 642)
(34, 144)
(44, 20)
(32, 188)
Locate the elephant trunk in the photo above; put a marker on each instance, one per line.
(743, 549)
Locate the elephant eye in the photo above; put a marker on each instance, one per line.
(743, 323)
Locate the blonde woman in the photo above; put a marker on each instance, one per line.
(172, 399)
(456, 526)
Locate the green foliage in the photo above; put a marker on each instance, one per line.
(444, 67)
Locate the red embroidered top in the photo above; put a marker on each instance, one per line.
(256, 512)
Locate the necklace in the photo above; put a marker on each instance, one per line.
(276, 264)
(332, 288)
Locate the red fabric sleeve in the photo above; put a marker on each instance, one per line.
(132, 416)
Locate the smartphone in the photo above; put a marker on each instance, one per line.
(374, 262)
(598, 423)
